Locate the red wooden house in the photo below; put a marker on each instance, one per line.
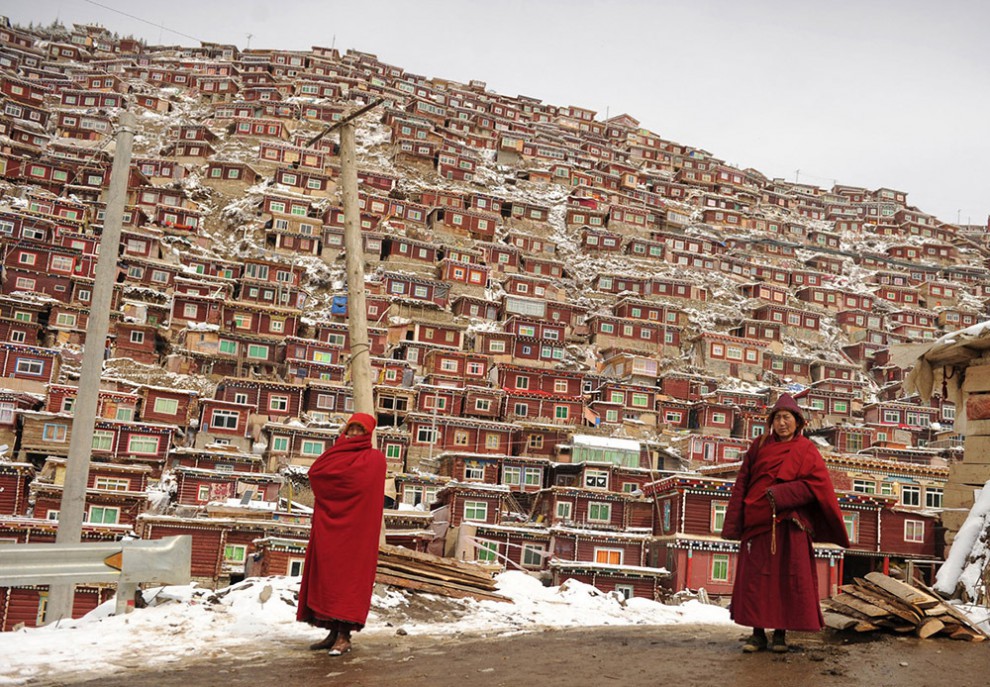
(433, 433)
(472, 503)
(15, 479)
(720, 353)
(115, 493)
(689, 543)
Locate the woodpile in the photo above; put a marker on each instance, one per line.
(425, 572)
(881, 602)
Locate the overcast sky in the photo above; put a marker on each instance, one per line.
(869, 93)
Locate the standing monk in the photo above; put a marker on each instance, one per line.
(339, 573)
(782, 501)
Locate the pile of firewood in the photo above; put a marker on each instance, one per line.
(425, 572)
(881, 602)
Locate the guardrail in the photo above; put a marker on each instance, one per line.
(128, 563)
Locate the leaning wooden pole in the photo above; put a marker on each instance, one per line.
(73, 505)
(357, 311)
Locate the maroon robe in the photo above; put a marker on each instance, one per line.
(776, 583)
(339, 573)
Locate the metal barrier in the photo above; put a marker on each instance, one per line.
(127, 562)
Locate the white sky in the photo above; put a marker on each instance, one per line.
(183, 622)
(880, 93)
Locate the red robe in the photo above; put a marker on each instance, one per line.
(779, 589)
(339, 573)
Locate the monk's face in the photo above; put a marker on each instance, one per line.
(784, 425)
(355, 429)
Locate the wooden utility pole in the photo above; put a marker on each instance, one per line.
(357, 311)
(73, 505)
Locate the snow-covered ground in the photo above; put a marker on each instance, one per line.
(183, 621)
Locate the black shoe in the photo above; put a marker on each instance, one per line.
(324, 643)
(755, 643)
(779, 644)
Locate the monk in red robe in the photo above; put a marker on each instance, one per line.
(339, 573)
(782, 501)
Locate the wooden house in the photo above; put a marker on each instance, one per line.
(115, 493)
(433, 433)
(689, 543)
(15, 480)
(472, 503)
(737, 357)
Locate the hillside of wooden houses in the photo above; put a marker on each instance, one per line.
(576, 324)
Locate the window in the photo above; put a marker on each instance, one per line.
(103, 515)
(599, 512)
(280, 444)
(474, 471)
(203, 493)
(914, 531)
(532, 555)
(102, 440)
(596, 479)
(561, 412)
(533, 477)
(910, 495)
(483, 404)
(511, 475)
(718, 515)
(486, 551)
(26, 366)
(225, 419)
(54, 432)
(933, 497)
(608, 556)
(137, 337)
(166, 406)
(864, 486)
(312, 447)
(257, 351)
(720, 567)
(234, 553)
(279, 404)
(142, 443)
(426, 435)
(564, 509)
(476, 510)
(851, 521)
(65, 319)
(112, 483)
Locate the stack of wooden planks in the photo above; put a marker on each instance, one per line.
(881, 602)
(425, 572)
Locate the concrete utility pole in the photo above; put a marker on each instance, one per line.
(72, 509)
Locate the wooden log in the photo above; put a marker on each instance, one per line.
(437, 573)
(432, 587)
(837, 621)
(892, 605)
(388, 550)
(843, 609)
(864, 607)
(903, 591)
(928, 627)
(968, 635)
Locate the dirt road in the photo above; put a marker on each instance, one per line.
(679, 655)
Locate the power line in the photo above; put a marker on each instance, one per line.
(149, 23)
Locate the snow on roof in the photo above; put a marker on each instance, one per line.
(605, 442)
